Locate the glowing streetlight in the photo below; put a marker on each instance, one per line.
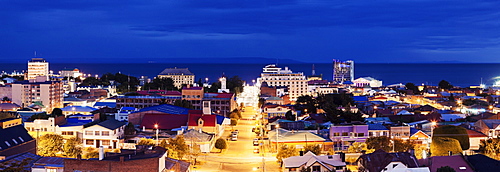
(156, 127)
(277, 133)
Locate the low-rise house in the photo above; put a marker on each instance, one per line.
(316, 163)
(144, 160)
(377, 130)
(367, 81)
(344, 135)
(298, 138)
(48, 164)
(475, 139)
(72, 110)
(39, 127)
(490, 127)
(122, 114)
(107, 134)
(419, 137)
(380, 160)
(480, 163)
(457, 162)
(14, 139)
(277, 110)
(205, 141)
(400, 132)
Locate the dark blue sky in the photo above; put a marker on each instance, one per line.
(391, 31)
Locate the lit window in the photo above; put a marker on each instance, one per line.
(8, 144)
(14, 140)
(20, 138)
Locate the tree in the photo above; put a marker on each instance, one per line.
(57, 112)
(316, 149)
(412, 87)
(90, 152)
(143, 141)
(262, 101)
(358, 147)
(444, 85)
(289, 115)
(6, 99)
(403, 146)
(177, 147)
(490, 147)
(381, 142)
(184, 103)
(441, 145)
(194, 152)
(285, 152)
(73, 147)
(445, 169)
(42, 115)
(236, 114)
(160, 84)
(50, 144)
(220, 144)
(234, 122)
(455, 132)
(129, 129)
(5, 115)
(235, 84)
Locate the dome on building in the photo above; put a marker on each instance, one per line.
(9, 106)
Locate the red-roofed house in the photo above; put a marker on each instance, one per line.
(475, 138)
(206, 122)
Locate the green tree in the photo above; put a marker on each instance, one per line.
(5, 115)
(234, 122)
(285, 152)
(160, 84)
(358, 147)
(50, 145)
(412, 87)
(455, 132)
(6, 99)
(444, 85)
(381, 142)
(90, 152)
(441, 145)
(289, 115)
(235, 84)
(42, 115)
(177, 147)
(143, 141)
(129, 129)
(163, 144)
(403, 146)
(220, 144)
(445, 169)
(57, 112)
(262, 101)
(314, 148)
(236, 114)
(184, 104)
(490, 147)
(73, 147)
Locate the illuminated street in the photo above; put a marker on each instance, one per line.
(239, 156)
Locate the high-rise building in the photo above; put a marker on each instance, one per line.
(47, 95)
(178, 75)
(275, 76)
(343, 71)
(37, 67)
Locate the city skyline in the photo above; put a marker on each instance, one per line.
(304, 31)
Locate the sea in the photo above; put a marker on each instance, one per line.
(458, 74)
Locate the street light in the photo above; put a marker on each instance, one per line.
(277, 133)
(156, 127)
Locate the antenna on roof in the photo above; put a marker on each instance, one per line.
(35, 53)
(277, 60)
(313, 71)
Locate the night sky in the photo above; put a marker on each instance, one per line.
(368, 31)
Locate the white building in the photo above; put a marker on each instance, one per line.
(315, 163)
(75, 73)
(48, 93)
(37, 67)
(178, 75)
(275, 76)
(107, 134)
(343, 71)
(367, 81)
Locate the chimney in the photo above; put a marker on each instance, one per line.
(342, 156)
(101, 153)
(412, 152)
(450, 153)
(301, 153)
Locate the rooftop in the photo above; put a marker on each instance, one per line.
(176, 71)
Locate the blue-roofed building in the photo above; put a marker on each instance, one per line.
(104, 104)
(86, 110)
(122, 114)
(376, 130)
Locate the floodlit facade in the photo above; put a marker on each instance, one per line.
(37, 67)
(178, 75)
(275, 76)
(48, 93)
(343, 71)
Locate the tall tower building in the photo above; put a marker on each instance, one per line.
(37, 67)
(343, 71)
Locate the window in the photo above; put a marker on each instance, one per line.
(96, 133)
(89, 133)
(361, 134)
(105, 142)
(345, 134)
(14, 140)
(105, 133)
(336, 134)
(89, 142)
(292, 169)
(67, 133)
(8, 144)
(316, 168)
(20, 138)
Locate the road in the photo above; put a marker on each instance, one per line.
(239, 156)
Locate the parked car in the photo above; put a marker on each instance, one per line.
(256, 150)
(234, 138)
(256, 142)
